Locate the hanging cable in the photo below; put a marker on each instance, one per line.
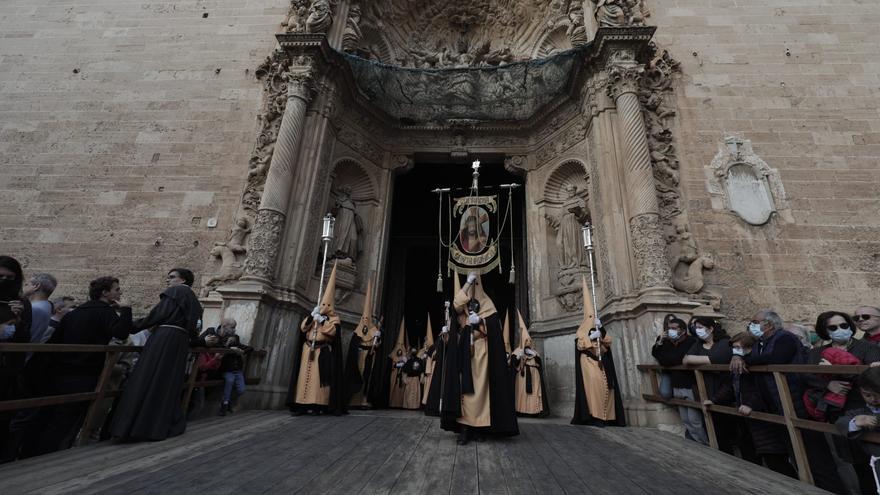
(512, 278)
(440, 243)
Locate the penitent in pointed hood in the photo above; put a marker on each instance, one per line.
(366, 320)
(327, 302)
(525, 340)
(589, 320)
(429, 334)
(400, 345)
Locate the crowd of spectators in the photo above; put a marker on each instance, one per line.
(838, 338)
(30, 315)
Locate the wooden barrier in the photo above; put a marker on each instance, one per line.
(788, 418)
(101, 392)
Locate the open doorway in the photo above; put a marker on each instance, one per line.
(411, 276)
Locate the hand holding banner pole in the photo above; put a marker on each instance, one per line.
(587, 233)
(326, 237)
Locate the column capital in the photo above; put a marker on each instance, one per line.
(624, 78)
(300, 82)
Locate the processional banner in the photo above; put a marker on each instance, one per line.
(474, 248)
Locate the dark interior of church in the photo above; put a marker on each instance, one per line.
(411, 284)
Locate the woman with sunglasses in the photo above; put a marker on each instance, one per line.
(838, 327)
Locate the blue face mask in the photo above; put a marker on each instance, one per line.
(738, 351)
(841, 336)
(702, 333)
(755, 330)
(673, 334)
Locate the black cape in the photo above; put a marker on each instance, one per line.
(545, 406)
(330, 370)
(582, 414)
(370, 383)
(437, 353)
(150, 407)
(502, 405)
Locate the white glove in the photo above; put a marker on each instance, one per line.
(473, 319)
(320, 318)
(378, 333)
(316, 312)
(530, 352)
(518, 353)
(595, 335)
(472, 277)
(445, 329)
(400, 364)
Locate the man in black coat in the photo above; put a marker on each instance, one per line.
(91, 323)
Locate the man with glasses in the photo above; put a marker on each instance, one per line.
(867, 320)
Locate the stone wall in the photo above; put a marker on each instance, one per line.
(124, 126)
(800, 80)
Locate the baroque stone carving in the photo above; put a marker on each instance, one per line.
(577, 31)
(620, 13)
(230, 270)
(296, 17)
(575, 134)
(687, 262)
(649, 250)
(264, 244)
(361, 144)
(351, 36)
(238, 238)
(568, 224)
(740, 181)
(320, 17)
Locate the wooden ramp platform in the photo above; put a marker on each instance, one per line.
(393, 452)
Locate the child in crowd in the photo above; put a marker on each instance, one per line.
(232, 365)
(856, 422)
(822, 402)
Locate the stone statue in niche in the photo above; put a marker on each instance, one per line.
(349, 228)
(320, 17)
(687, 262)
(296, 22)
(610, 13)
(568, 229)
(748, 194)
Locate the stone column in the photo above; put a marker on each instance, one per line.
(648, 244)
(269, 225)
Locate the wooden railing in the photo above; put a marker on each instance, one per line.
(95, 399)
(793, 424)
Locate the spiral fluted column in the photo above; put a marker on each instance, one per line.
(269, 225)
(649, 246)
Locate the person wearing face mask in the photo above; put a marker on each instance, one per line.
(713, 347)
(832, 394)
(670, 349)
(761, 443)
(776, 346)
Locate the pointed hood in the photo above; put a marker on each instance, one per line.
(429, 334)
(456, 290)
(366, 320)
(327, 306)
(506, 332)
(525, 340)
(487, 307)
(589, 320)
(400, 345)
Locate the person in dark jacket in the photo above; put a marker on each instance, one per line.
(150, 407)
(776, 346)
(670, 349)
(768, 441)
(93, 323)
(232, 365)
(837, 327)
(15, 327)
(860, 420)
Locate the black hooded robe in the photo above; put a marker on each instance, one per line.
(502, 405)
(432, 402)
(330, 364)
(150, 407)
(368, 383)
(582, 414)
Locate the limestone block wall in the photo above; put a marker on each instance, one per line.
(801, 80)
(124, 126)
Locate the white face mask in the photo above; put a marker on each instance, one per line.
(702, 333)
(737, 351)
(756, 330)
(673, 334)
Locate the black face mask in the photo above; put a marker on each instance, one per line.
(8, 289)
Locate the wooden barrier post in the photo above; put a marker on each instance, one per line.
(707, 415)
(797, 441)
(190, 383)
(655, 381)
(101, 391)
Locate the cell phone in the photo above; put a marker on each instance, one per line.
(6, 313)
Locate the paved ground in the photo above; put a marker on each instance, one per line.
(393, 452)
